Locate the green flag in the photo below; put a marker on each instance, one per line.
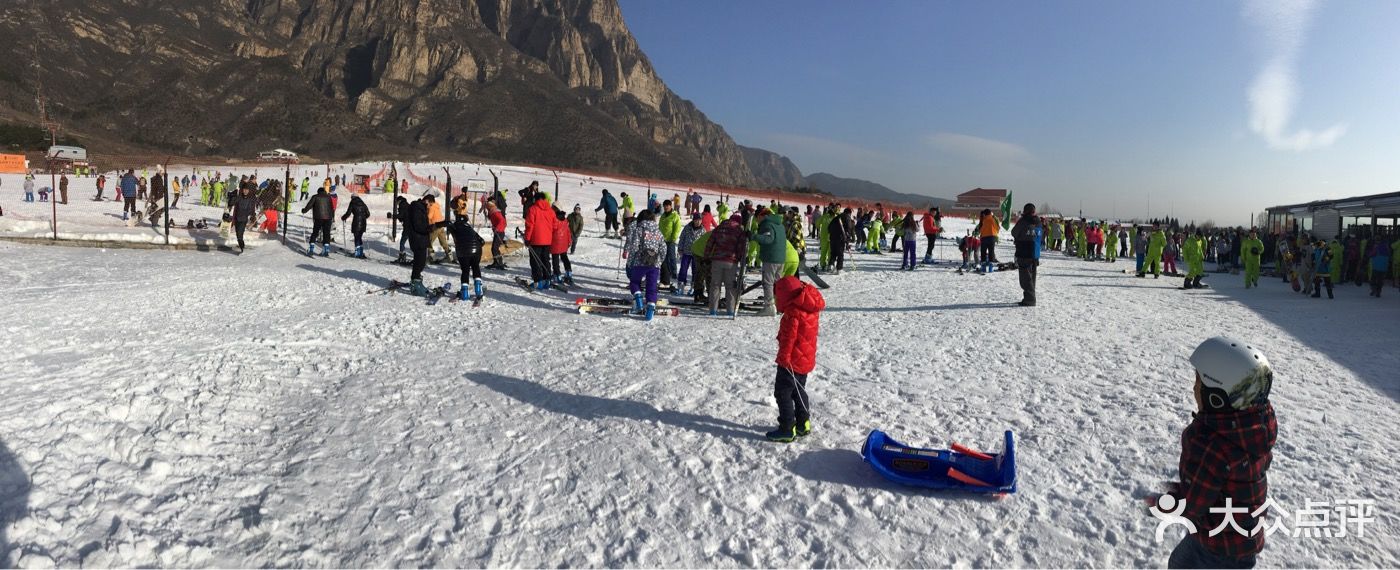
(1006, 211)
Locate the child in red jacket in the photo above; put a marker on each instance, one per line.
(797, 355)
(1225, 452)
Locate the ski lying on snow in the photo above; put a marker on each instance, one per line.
(610, 301)
(616, 310)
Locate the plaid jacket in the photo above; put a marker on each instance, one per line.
(1227, 455)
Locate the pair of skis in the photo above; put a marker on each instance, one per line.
(530, 287)
(611, 306)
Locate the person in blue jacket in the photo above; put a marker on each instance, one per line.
(609, 207)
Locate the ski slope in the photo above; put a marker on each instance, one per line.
(209, 409)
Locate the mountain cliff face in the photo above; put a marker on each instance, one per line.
(771, 169)
(560, 82)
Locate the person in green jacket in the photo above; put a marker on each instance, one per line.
(388, 185)
(1110, 240)
(1251, 250)
(701, 270)
(1194, 252)
(1335, 269)
(1156, 242)
(575, 227)
(305, 187)
(793, 260)
(722, 208)
(670, 224)
(872, 240)
(629, 210)
(1081, 243)
(772, 251)
(823, 240)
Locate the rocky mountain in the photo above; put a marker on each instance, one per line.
(772, 170)
(867, 190)
(556, 82)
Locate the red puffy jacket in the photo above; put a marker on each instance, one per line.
(539, 224)
(930, 227)
(797, 332)
(498, 221)
(563, 237)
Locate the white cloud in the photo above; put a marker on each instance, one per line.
(984, 150)
(1281, 26)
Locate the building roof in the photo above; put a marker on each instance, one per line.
(1356, 202)
(984, 193)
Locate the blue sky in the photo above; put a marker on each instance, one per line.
(1208, 109)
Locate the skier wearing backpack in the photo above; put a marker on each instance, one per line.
(801, 305)
(360, 212)
(1226, 452)
(644, 251)
(468, 247)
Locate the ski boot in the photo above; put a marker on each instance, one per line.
(782, 434)
(542, 284)
(637, 303)
(651, 311)
(359, 252)
(1196, 283)
(476, 288)
(416, 287)
(804, 428)
(403, 258)
(325, 250)
(569, 277)
(462, 293)
(311, 249)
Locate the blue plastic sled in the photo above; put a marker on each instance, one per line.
(942, 468)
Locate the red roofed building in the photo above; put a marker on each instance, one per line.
(978, 199)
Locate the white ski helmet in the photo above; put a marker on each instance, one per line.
(1234, 375)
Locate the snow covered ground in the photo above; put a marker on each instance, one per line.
(206, 409)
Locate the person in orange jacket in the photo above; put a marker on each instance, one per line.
(438, 222)
(559, 250)
(800, 305)
(539, 236)
(987, 229)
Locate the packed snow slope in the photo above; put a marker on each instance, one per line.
(209, 409)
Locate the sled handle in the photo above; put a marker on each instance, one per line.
(953, 473)
(973, 453)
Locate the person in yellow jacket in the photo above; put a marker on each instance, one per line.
(1156, 242)
(988, 228)
(1251, 251)
(629, 209)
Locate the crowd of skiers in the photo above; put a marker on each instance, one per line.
(1312, 265)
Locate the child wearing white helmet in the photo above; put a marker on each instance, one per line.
(1225, 453)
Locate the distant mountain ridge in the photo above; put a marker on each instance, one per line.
(871, 191)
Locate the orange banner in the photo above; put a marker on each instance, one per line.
(12, 164)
